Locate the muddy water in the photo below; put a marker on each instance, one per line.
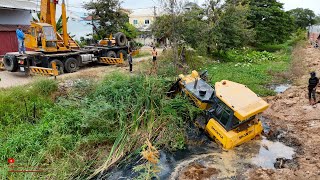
(280, 88)
(208, 161)
(231, 164)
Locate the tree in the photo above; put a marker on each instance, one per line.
(161, 28)
(108, 15)
(130, 31)
(317, 19)
(219, 26)
(303, 17)
(174, 9)
(271, 23)
(232, 29)
(193, 28)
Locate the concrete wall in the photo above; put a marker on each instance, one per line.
(15, 16)
(145, 41)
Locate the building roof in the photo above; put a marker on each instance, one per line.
(8, 28)
(17, 4)
(144, 12)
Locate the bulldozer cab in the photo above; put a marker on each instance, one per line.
(226, 116)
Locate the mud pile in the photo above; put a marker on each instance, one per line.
(297, 124)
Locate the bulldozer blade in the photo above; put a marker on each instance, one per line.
(174, 89)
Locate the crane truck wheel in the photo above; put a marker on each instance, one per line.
(125, 54)
(121, 39)
(111, 54)
(116, 35)
(59, 65)
(71, 65)
(10, 63)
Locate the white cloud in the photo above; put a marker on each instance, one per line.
(309, 4)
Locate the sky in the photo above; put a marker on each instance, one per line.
(136, 4)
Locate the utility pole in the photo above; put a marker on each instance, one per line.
(154, 19)
(174, 38)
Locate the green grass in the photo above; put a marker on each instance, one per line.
(142, 54)
(73, 135)
(257, 75)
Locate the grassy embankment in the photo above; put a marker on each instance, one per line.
(76, 131)
(258, 68)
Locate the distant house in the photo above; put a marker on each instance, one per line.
(142, 19)
(12, 14)
(190, 5)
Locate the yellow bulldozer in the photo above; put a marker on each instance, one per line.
(231, 109)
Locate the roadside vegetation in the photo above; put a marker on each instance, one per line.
(80, 130)
(88, 126)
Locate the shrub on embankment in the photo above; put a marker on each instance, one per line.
(73, 134)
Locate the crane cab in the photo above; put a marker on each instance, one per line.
(42, 37)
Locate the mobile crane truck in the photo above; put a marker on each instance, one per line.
(231, 110)
(51, 47)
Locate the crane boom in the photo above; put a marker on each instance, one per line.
(48, 11)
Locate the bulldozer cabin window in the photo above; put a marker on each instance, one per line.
(222, 113)
(225, 115)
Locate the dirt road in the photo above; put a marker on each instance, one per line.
(296, 123)
(9, 79)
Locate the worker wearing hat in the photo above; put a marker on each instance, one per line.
(313, 83)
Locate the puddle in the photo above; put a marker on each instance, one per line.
(269, 152)
(209, 161)
(231, 164)
(280, 88)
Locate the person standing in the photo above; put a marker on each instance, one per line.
(130, 60)
(21, 37)
(313, 83)
(154, 58)
(183, 54)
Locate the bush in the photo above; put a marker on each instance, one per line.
(87, 116)
(249, 56)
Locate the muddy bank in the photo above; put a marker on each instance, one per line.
(299, 123)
